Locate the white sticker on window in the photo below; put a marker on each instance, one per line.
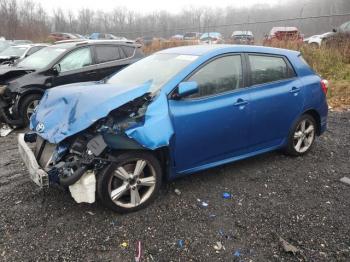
(187, 57)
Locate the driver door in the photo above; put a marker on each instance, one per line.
(213, 125)
(76, 66)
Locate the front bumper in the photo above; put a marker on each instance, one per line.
(36, 173)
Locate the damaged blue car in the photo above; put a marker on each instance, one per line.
(174, 113)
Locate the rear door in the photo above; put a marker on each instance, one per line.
(110, 59)
(76, 66)
(276, 99)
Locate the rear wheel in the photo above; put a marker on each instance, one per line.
(131, 183)
(28, 106)
(302, 136)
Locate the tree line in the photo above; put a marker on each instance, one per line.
(26, 19)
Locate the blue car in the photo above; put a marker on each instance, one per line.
(174, 113)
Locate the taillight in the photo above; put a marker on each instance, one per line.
(324, 86)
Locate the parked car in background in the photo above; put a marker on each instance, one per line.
(211, 38)
(192, 36)
(145, 40)
(340, 36)
(177, 37)
(20, 42)
(174, 113)
(243, 37)
(54, 37)
(22, 85)
(316, 40)
(285, 34)
(4, 44)
(16, 53)
(96, 36)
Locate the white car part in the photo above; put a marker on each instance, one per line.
(83, 191)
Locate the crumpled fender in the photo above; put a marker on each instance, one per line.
(157, 128)
(67, 110)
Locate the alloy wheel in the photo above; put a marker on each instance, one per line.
(304, 136)
(132, 183)
(31, 108)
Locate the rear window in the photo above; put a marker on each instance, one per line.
(107, 53)
(265, 69)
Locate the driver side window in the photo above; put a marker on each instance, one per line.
(76, 60)
(218, 76)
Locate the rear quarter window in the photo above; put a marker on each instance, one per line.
(107, 53)
(129, 51)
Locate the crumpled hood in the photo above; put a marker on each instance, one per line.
(67, 110)
(10, 72)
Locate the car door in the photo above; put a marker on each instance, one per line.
(276, 99)
(76, 66)
(212, 125)
(110, 59)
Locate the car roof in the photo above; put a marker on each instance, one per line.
(81, 42)
(242, 33)
(199, 50)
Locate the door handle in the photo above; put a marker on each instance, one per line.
(295, 90)
(240, 102)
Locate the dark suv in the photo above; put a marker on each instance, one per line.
(22, 85)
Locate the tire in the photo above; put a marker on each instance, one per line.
(301, 139)
(127, 185)
(26, 108)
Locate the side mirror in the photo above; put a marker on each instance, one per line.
(187, 88)
(56, 69)
(334, 30)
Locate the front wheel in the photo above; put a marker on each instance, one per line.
(28, 106)
(302, 136)
(130, 183)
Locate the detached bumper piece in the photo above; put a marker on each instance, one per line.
(37, 174)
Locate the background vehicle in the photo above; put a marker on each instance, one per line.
(286, 34)
(243, 37)
(192, 36)
(23, 84)
(240, 101)
(177, 37)
(340, 36)
(61, 36)
(4, 44)
(96, 36)
(316, 40)
(145, 40)
(211, 38)
(16, 53)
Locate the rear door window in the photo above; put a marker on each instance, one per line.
(107, 53)
(265, 69)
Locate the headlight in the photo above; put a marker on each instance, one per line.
(2, 89)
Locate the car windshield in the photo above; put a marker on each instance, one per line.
(3, 45)
(156, 69)
(42, 58)
(14, 51)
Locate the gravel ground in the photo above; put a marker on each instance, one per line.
(273, 196)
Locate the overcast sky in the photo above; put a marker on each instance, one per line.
(146, 6)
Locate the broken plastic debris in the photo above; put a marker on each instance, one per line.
(237, 253)
(287, 246)
(218, 246)
(5, 130)
(138, 253)
(181, 243)
(177, 191)
(90, 213)
(226, 195)
(345, 180)
(124, 244)
(204, 204)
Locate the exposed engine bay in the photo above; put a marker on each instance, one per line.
(91, 150)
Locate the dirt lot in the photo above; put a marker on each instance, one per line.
(298, 199)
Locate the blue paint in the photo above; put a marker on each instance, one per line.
(199, 133)
(226, 195)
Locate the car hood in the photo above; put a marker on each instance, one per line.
(11, 72)
(66, 110)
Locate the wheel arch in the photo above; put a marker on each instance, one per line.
(317, 117)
